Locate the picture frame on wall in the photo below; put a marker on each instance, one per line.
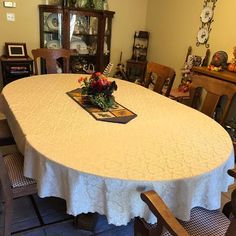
(16, 50)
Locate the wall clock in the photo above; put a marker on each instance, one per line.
(206, 18)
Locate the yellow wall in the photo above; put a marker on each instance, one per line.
(26, 27)
(174, 25)
(130, 16)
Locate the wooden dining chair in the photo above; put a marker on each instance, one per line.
(14, 185)
(202, 222)
(218, 96)
(6, 137)
(53, 58)
(159, 78)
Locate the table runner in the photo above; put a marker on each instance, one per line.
(118, 114)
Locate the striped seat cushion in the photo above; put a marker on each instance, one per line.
(205, 223)
(14, 163)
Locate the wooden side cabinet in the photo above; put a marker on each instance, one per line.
(15, 68)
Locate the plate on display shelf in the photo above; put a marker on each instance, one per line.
(54, 44)
(80, 46)
(53, 21)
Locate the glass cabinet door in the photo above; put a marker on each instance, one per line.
(83, 42)
(52, 30)
(85, 32)
(107, 41)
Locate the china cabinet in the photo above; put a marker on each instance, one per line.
(86, 32)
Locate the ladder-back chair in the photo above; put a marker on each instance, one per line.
(159, 77)
(215, 91)
(202, 222)
(52, 57)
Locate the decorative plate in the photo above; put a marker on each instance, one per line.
(80, 46)
(202, 35)
(52, 21)
(54, 44)
(206, 15)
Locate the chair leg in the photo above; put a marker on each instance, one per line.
(86, 221)
(143, 229)
(227, 209)
(8, 211)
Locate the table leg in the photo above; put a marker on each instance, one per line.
(86, 221)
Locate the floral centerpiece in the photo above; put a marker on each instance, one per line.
(98, 90)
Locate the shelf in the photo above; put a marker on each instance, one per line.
(19, 72)
(84, 34)
(51, 32)
(83, 55)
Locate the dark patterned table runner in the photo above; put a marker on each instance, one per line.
(118, 114)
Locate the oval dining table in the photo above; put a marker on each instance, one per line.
(103, 167)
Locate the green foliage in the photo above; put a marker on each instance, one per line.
(99, 90)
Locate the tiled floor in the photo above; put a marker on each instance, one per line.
(52, 209)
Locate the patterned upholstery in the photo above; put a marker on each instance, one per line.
(205, 223)
(14, 164)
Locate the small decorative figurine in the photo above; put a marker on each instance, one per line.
(219, 61)
(232, 64)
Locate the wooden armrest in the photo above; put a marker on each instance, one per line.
(232, 228)
(232, 172)
(162, 212)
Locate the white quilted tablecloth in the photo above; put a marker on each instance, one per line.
(102, 167)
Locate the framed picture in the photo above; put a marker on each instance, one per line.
(16, 50)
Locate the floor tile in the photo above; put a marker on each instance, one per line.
(66, 229)
(54, 209)
(118, 231)
(51, 208)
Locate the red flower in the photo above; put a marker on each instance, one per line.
(81, 79)
(98, 73)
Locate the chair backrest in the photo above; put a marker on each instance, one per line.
(216, 90)
(160, 77)
(200, 222)
(51, 57)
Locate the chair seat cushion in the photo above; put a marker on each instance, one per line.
(205, 222)
(14, 163)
